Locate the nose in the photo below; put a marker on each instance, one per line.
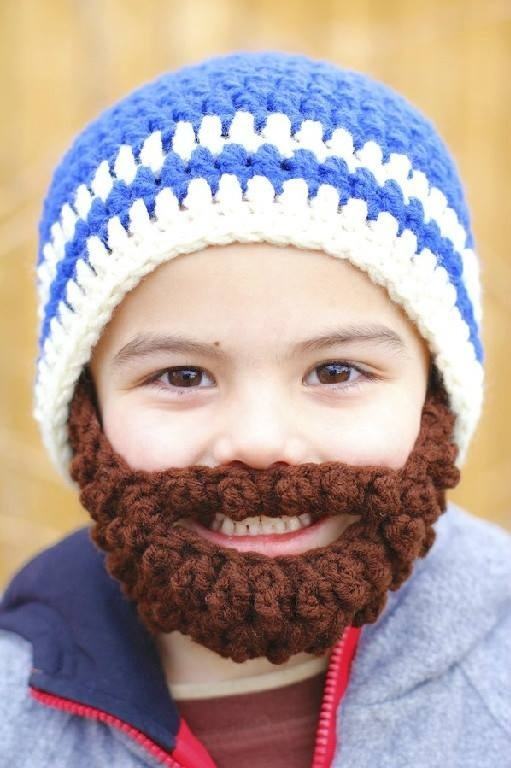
(259, 431)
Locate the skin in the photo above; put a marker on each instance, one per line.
(260, 403)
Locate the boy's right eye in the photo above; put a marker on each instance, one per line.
(182, 377)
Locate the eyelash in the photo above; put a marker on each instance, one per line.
(365, 375)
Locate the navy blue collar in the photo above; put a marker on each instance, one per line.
(88, 643)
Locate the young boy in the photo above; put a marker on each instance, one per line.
(260, 365)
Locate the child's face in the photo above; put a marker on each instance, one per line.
(250, 394)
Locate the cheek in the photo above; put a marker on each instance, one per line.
(379, 436)
(150, 440)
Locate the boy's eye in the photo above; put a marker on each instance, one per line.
(338, 372)
(185, 377)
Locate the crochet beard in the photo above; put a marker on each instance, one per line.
(244, 605)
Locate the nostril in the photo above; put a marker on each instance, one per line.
(235, 463)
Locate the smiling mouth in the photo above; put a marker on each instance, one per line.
(269, 535)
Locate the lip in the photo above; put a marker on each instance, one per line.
(323, 532)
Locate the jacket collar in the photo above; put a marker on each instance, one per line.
(88, 643)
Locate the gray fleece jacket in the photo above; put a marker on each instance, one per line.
(430, 683)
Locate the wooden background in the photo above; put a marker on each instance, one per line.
(63, 61)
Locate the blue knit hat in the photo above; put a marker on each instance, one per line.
(255, 147)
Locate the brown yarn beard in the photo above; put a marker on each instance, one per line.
(243, 605)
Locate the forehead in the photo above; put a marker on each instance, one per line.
(252, 271)
(258, 292)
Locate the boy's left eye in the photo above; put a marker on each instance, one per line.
(336, 374)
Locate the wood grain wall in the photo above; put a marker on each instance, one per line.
(62, 61)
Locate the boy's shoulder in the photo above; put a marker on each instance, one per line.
(36, 736)
(487, 603)
(453, 612)
(67, 629)
(23, 726)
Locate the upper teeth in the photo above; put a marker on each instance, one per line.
(256, 526)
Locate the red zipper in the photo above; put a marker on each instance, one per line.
(193, 753)
(336, 682)
(188, 747)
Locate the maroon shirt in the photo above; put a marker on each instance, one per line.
(265, 729)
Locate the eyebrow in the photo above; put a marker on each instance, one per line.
(145, 345)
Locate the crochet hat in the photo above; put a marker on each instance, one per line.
(253, 147)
